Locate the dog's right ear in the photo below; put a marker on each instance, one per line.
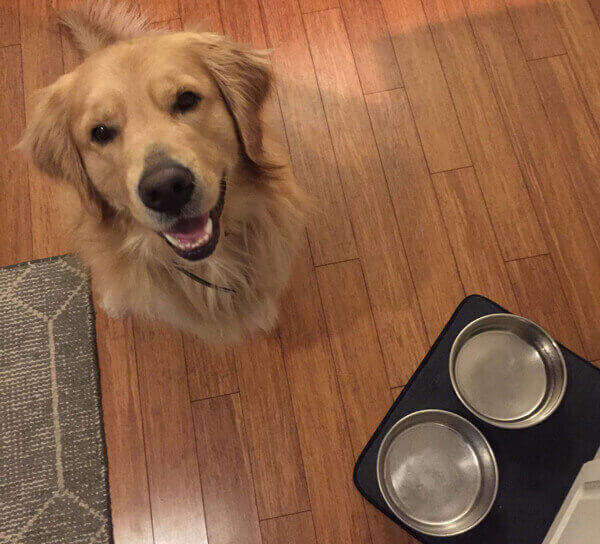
(102, 22)
(47, 141)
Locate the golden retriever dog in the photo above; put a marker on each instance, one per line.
(190, 214)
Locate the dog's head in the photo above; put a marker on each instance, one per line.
(151, 124)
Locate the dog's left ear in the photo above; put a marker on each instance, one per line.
(47, 141)
(244, 77)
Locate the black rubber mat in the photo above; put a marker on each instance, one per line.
(537, 465)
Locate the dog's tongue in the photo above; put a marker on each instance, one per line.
(189, 230)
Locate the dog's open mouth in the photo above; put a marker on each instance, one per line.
(196, 238)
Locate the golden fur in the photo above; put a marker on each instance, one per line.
(129, 76)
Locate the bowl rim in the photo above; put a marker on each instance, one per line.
(394, 509)
(529, 421)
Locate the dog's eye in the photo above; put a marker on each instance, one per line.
(102, 134)
(186, 101)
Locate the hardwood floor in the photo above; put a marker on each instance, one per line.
(451, 146)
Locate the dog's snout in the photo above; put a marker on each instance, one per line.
(166, 188)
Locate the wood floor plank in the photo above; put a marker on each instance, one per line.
(596, 9)
(9, 23)
(206, 13)
(395, 305)
(225, 472)
(337, 509)
(211, 369)
(477, 254)
(159, 10)
(272, 435)
(498, 171)
(396, 391)
(361, 373)
(542, 299)
(53, 206)
(371, 45)
(121, 414)
(566, 230)
(426, 86)
(421, 224)
(313, 160)
(581, 34)
(575, 131)
(536, 28)
(294, 529)
(174, 481)
(306, 6)
(15, 218)
(242, 21)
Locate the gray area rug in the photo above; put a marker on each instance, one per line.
(53, 471)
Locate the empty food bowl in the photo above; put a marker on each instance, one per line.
(437, 473)
(507, 371)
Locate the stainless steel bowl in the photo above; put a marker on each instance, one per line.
(508, 371)
(437, 473)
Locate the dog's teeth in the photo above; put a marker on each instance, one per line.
(202, 239)
(172, 239)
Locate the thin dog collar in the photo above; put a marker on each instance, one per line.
(203, 281)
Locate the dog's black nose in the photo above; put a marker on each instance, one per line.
(166, 188)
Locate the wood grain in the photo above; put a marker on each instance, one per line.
(211, 369)
(294, 529)
(514, 220)
(53, 206)
(396, 391)
(272, 436)
(536, 28)
(313, 160)
(394, 301)
(121, 414)
(575, 131)
(581, 34)
(9, 23)
(371, 45)
(175, 491)
(306, 6)
(419, 217)
(159, 10)
(596, 9)
(425, 85)
(206, 13)
(15, 218)
(567, 233)
(242, 21)
(337, 509)
(542, 299)
(360, 368)
(225, 472)
(477, 254)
